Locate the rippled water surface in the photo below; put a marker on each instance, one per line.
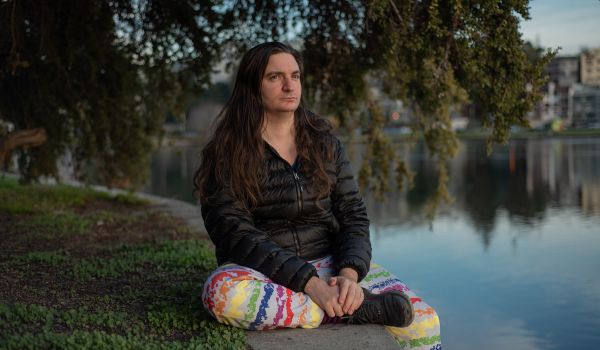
(514, 263)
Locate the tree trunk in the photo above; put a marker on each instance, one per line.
(20, 138)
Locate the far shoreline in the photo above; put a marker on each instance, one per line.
(188, 140)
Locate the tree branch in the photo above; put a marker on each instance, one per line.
(396, 11)
(20, 138)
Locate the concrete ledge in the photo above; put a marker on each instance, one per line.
(190, 214)
(330, 337)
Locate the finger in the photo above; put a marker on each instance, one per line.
(344, 286)
(338, 309)
(357, 302)
(329, 311)
(349, 299)
(332, 281)
(358, 299)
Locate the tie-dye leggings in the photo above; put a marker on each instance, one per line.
(245, 298)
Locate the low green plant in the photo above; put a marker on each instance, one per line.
(16, 199)
(129, 198)
(52, 258)
(19, 199)
(93, 294)
(56, 224)
(176, 257)
(213, 339)
(207, 335)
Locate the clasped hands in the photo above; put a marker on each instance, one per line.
(340, 295)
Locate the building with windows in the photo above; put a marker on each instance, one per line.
(572, 93)
(563, 70)
(563, 73)
(590, 67)
(586, 106)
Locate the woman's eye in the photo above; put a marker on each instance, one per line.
(274, 77)
(296, 76)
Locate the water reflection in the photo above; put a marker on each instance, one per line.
(524, 178)
(538, 285)
(172, 172)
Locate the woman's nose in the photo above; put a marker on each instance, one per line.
(288, 84)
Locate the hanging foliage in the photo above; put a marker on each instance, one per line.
(99, 76)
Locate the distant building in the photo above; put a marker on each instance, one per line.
(586, 106)
(590, 67)
(546, 109)
(564, 70)
(563, 73)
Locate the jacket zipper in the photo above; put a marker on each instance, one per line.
(296, 241)
(299, 190)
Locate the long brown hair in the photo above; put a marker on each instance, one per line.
(234, 155)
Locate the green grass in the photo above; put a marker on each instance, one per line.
(212, 338)
(20, 314)
(17, 199)
(53, 258)
(82, 269)
(56, 223)
(176, 257)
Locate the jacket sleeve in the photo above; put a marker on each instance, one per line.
(231, 228)
(352, 245)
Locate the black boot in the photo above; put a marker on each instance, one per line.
(392, 308)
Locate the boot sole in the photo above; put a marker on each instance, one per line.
(407, 322)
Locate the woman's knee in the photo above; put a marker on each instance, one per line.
(423, 332)
(225, 291)
(424, 311)
(215, 290)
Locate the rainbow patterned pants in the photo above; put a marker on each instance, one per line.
(245, 298)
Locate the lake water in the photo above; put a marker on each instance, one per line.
(514, 263)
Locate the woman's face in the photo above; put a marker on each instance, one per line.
(281, 88)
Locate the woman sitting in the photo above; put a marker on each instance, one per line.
(283, 209)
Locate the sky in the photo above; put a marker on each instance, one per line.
(570, 24)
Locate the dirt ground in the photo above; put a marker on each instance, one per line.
(102, 271)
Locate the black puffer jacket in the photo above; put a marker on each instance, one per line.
(287, 228)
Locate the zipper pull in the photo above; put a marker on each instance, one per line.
(299, 182)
